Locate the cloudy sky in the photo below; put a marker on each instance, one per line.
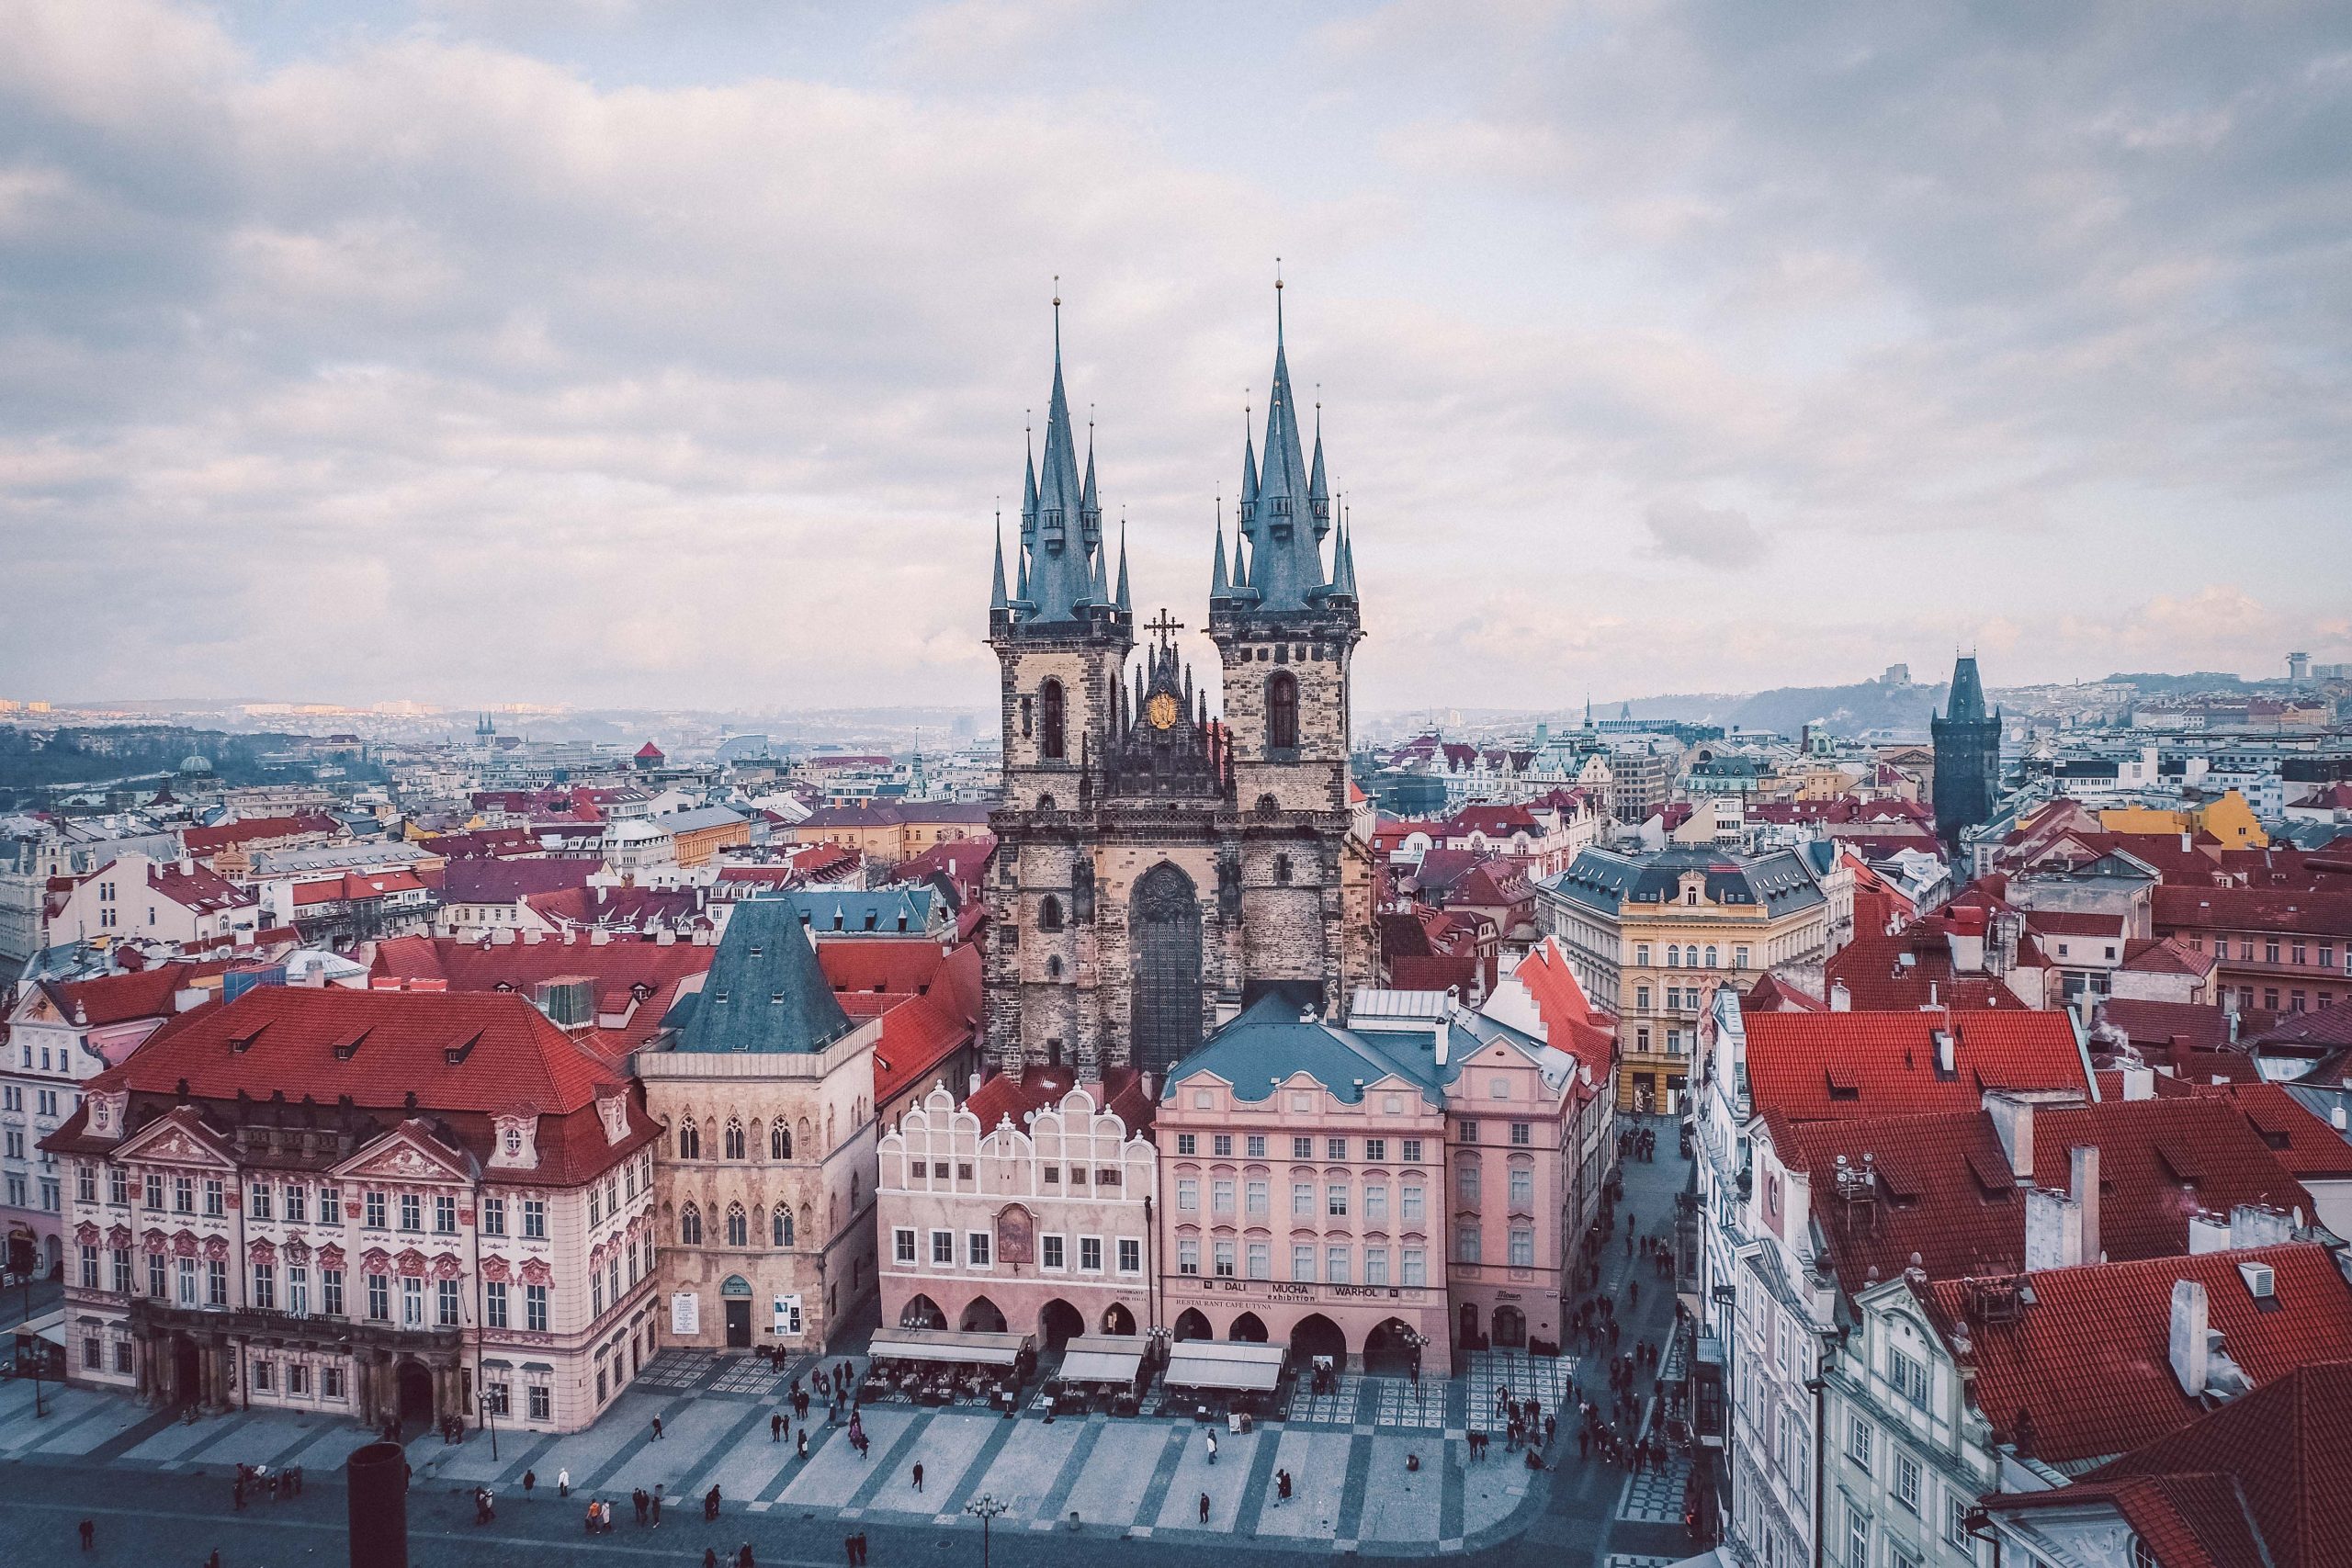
(676, 352)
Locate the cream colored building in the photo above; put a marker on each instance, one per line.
(1645, 934)
(767, 1175)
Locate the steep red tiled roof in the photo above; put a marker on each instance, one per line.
(1772, 993)
(292, 1032)
(2319, 912)
(2166, 955)
(2304, 1144)
(1943, 1193)
(118, 998)
(2154, 1026)
(1818, 1066)
(1877, 980)
(2287, 1446)
(503, 880)
(2090, 1359)
(618, 967)
(888, 964)
(917, 1033)
(229, 835)
(1013, 1095)
(1570, 1021)
(2161, 1161)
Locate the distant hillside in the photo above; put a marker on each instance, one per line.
(1849, 710)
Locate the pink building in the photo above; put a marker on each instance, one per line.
(1024, 1209)
(1409, 1181)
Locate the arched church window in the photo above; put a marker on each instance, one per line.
(1053, 968)
(779, 1141)
(1281, 712)
(739, 1229)
(690, 1225)
(1269, 806)
(1281, 869)
(780, 1227)
(734, 1139)
(1050, 721)
(689, 1140)
(1049, 914)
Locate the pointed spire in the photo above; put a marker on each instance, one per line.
(1122, 602)
(1060, 573)
(997, 600)
(1099, 588)
(1220, 587)
(1318, 493)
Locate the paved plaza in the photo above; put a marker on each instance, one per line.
(158, 1486)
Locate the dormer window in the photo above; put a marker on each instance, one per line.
(512, 1142)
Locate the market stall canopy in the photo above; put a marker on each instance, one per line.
(1224, 1363)
(948, 1345)
(49, 1325)
(1107, 1358)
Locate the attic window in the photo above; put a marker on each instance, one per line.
(776, 997)
(718, 996)
(1994, 1181)
(2180, 1163)
(873, 919)
(453, 1054)
(1841, 1084)
(350, 1048)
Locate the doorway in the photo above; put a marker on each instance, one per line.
(1510, 1327)
(738, 1325)
(416, 1393)
(1059, 1323)
(187, 1372)
(1249, 1329)
(1389, 1351)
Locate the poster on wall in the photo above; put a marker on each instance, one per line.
(787, 1317)
(686, 1314)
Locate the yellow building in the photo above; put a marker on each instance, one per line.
(1646, 933)
(2228, 818)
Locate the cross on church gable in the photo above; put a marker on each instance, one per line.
(1167, 626)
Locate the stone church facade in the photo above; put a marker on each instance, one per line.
(1159, 867)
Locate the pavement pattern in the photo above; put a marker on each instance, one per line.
(1379, 1466)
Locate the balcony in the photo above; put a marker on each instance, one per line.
(151, 1316)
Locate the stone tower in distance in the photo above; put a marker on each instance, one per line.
(1968, 759)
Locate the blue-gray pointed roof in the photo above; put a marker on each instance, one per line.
(997, 600)
(765, 992)
(1967, 701)
(1279, 514)
(1059, 570)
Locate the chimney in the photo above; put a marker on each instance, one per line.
(2258, 1224)
(972, 1085)
(1840, 998)
(2339, 1120)
(1444, 1027)
(2083, 1186)
(2013, 1120)
(2188, 842)
(2054, 1230)
(2208, 1233)
(1947, 1053)
(2190, 1347)
(188, 865)
(2139, 1083)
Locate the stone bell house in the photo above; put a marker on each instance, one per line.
(365, 1204)
(765, 1087)
(1026, 1207)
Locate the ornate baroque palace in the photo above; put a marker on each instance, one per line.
(1159, 868)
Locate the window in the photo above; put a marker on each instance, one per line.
(780, 1231)
(86, 1184)
(1302, 1148)
(1411, 1205)
(1467, 1131)
(265, 1287)
(1255, 1198)
(535, 1219)
(89, 1261)
(1910, 1377)
(1301, 1262)
(1221, 1257)
(1857, 1444)
(1336, 1264)
(535, 1308)
(121, 1270)
(1376, 1150)
(732, 1141)
(412, 1212)
(412, 1304)
(330, 1205)
(1188, 1255)
(1412, 1151)
(1254, 1145)
(1906, 1482)
(779, 1141)
(902, 1245)
(738, 1226)
(1049, 1252)
(494, 1305)
(1522, 1189)
(1050, 913)
(330, 1291)
(216, 1283)
(1281, 712)
(1336, 1201)
(943, 1248)
(1857, 1538)
(1051, 721)
(183, 1195)
(1335, 1148)
(445, 1313)
(689, 1140)
(188, 1286)
(1522, 1247)
(975, 1248)
(1131, 1256)
(1522, 1134)
(1188, 1194)
(1467, 1244)
(1416, 1268)
(154, 1194)
(445, 1215)
(1301, 1200)
(1376, 1266)
(1188, 1144)
(1375, 1205)
(493, 1216)
(690, 1227)
(156, 1286)
(298, 1204)
(1956, 1522)
(1221, 1196)
(1466, 1183)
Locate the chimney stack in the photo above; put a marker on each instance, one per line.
(1840, 998)
(2139, 1083)
(1947, 1053)
(2083, 1186)
(2190, 1346)
(2054, 1230)
(2013, 1120)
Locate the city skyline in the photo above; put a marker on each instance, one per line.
(641, 354)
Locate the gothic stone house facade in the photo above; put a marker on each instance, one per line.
(1158, 868)
(366, 1205)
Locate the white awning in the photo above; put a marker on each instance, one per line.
(947, 1344)
(1224, 1363)
(1102, 1359)
(49, 1325)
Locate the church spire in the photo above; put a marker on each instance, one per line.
(997, 600)
(1286, 506)
(1220, 587)
(1059, 569)
(1122, 602)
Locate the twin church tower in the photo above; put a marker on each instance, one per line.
(1159, 867)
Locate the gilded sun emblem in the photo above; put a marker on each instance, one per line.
(1162, 711)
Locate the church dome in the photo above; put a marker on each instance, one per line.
(195, 763)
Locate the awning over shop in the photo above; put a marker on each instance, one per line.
(1108, 1357)
(947, 1345)
(1224, 1363)
(49, 1325)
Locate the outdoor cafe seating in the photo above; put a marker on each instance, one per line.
(943, 1366)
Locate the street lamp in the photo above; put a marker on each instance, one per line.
(490, 1420)
(986, 1508)
(1418, 1341)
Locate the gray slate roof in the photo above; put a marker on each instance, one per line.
(1606, 880)
(1269, 1042)
(881, 912)
(765, 991)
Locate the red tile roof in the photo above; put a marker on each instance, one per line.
(229, 835)
(503, 880)
(1877, 980)
(2074, 923)
(617, 968)
(120, 999)
(1772, 993)
(1819, 1065)
(2318, 912)
(2288, 1447)
(2088, 1358)
(2304, 1144)
(1570, 1023)
(888, 964)
(1942, 1194)
(2161, 1161)
(1012, 1095)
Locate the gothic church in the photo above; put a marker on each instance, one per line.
(1158, 867)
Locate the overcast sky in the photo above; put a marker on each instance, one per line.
(676, 352)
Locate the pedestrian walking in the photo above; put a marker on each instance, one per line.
(89, 1533)
(530, 1479)
(1584, 1442)
(657, 1504)
(1212, 1437)
(657, 1428)
(743, 1557)
(918, 1475)
(849, 1550)
(804, 1442)
(1204, 1507)
(775, 1428)
(563, 1482)
(710, 1557)
(642, 1501)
